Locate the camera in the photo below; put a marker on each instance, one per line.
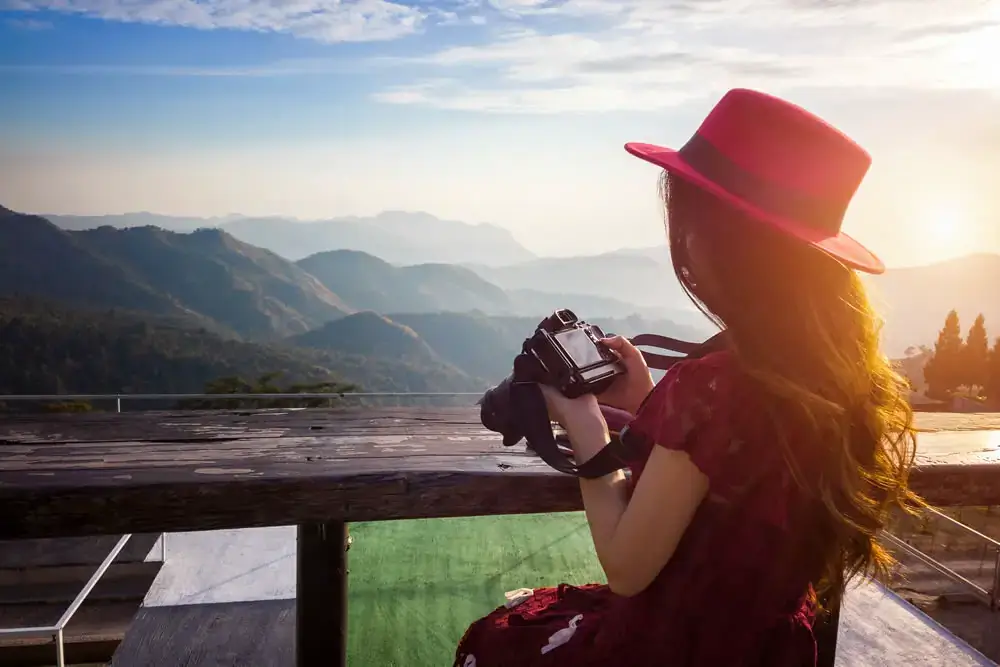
(568, 354)
(571, 355)
(563, 352)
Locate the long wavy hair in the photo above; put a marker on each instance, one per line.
(802, 328)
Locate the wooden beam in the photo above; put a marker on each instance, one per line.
(155, 472)
(321, 595)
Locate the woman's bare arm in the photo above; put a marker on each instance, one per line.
(636, 538)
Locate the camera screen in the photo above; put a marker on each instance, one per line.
(579, 347)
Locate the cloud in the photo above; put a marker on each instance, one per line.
(321, 20)
(279, 68)
(556, 56)
(603, 55)
(28, 24)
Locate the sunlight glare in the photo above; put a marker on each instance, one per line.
(943, 224)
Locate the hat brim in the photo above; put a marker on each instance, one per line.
(841, 246)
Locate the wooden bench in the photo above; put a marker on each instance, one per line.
(94, 474)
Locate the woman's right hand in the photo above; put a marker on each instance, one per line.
(628, 391)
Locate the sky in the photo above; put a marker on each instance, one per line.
(512, 112)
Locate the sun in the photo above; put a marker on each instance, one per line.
(944, 225)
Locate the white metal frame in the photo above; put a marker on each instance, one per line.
(56, 630)
(990, 597)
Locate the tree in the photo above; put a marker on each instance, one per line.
(943, 371)
(975, 356)
(265, 385)
(992, 380)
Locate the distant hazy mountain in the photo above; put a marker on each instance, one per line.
(914, 301)
(370, 283)
(633, 276)
(478, 346)
(429, 266)
(219, 282)
(366, 282)
(394, 236)
(398, 237)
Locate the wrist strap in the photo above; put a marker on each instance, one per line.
(611, 458)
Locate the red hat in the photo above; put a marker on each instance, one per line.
(780, 164)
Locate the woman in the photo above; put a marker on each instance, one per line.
(771, 464)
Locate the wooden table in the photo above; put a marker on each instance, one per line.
(92, 474)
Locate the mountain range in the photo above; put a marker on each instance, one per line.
(220, 282)
(389, 326)
(430, 327)
(395, 236)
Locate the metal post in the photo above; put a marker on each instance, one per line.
(60, 649)
(118, 402)
(321, 595)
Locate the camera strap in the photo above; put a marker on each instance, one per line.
(527, 402)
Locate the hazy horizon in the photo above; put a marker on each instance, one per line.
(623, 249)
(506, 112)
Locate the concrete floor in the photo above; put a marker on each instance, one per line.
(877, 627)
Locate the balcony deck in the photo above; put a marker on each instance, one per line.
(225, 598)
(414, 584)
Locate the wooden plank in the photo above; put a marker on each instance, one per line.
(73, 476)
(59, 585)
(92, 635)
(89, 551)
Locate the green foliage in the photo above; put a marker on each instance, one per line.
(955, 363)
(68, 406)
(943, 371)
(992, 376)
(265, 384)
(47, 348)
(975, 355)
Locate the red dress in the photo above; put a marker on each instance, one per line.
(736, 591)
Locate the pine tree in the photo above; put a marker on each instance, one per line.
(992, 381)
(976, 355)
(943, 372)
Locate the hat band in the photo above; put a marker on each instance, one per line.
(774, 199)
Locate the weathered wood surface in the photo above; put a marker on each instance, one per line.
(89, 551)
(72, 475)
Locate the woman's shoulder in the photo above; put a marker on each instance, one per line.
(697, 407)
(692, 392)
(708, 381)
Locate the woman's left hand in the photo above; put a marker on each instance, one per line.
(582, 419)
(569, 412)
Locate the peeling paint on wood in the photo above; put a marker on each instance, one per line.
(66, 475)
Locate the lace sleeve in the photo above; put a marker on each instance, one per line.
(689, 410)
